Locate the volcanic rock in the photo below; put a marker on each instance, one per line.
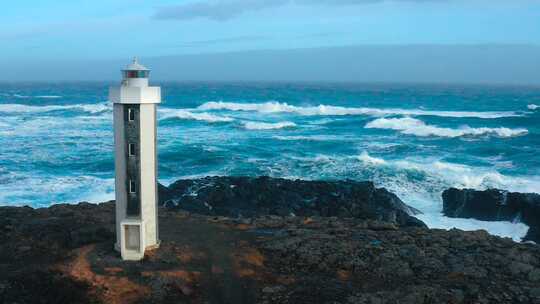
(265, 259)
(252, 197)
(495, 205)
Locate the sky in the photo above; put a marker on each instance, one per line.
(35, 32)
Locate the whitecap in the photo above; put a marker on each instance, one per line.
(39, 191)
(412, 126)
(22, 108)
(447, 174)
(212, 149)
(366, 158)
(323, 121)
(48, 96)
(309, 138)
(329, 110)
(253, 125)
(21, 96)
(188, 115)
(533, 107)
(93, 108)
(381, 146)
(84, 126)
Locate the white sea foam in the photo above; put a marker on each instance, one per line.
(414, 179)
(380, 146)
(34, 190)
(309, 138)
(48, 96)
(516, 231)
(366, 158)
(188, 115)
(447, 174)
(533, 107)
(420, 182)
(20, 96)
(417, 127)
(93, 108)
(253, 125)
(322, 121)
(328, 110)
(21, 108)
(50, 128)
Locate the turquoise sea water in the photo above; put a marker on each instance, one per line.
(416, 140)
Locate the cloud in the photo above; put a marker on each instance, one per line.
(219, 10)
(222, 10)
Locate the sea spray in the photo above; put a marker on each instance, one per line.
(329, 110)
(412, 126)
(166, 113)
(22, 108)
(254, 125)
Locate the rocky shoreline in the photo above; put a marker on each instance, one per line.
(495, 205)
(242, 250)
(252, 197)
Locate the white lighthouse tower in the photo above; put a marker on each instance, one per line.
(135, 162)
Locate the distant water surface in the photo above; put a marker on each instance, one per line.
(56, 142)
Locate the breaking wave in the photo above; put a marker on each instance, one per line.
(533, 107)
(188, 115)
(21, 96)
(48, 96)
(438, 175)
(366, 158)
(310, 138)
(21, 108)
(327, 110)
(252, 125)
(45, 190)
(420, 182)
(417, 127)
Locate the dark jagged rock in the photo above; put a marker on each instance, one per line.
(266, 259)
(249, 197)
(495, 205)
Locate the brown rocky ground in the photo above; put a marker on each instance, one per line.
(64, 254)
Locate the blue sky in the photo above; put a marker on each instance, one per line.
(114, 29)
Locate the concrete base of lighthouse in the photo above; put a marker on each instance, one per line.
(132, 241)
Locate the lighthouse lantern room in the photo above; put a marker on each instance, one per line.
(135, 135)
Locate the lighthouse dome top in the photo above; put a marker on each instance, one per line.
(136, 66)
(134, 88)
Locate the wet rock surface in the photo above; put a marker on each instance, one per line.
(495, 205)
(64, 254)
(251, 197)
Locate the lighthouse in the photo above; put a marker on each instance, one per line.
(135, 136)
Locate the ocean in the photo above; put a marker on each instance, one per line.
(56, 141)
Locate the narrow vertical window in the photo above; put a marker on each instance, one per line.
(131, 149)
(131, 114)
(132, 186)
